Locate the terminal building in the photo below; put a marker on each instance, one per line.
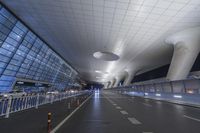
(105, 66)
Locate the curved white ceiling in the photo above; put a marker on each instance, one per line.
(133, 29)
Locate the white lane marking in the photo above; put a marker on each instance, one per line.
(118, 107)
(124, 112)
(146, 104)
(134, 121)
(67, 118)
(115, 104)
(192, 118)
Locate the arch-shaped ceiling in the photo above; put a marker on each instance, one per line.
(135, 30)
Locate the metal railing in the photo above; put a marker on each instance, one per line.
(15, 104)
(180, 91)
(187, 86)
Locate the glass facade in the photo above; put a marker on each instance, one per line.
(24, 55)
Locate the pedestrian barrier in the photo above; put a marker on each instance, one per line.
(15, 104)
(186, 86)
(185, 91)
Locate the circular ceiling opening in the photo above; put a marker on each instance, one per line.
(106, 56)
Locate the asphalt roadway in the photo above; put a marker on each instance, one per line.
(109, 112)
(35, 120)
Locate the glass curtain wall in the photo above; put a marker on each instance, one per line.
(24, 55)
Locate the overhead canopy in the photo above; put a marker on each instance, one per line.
(134, 30)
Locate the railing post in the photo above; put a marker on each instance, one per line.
(8, 107)
(162, 89)
(26, 102)
(37, 101)
(154, 86)
(171, 85)
(184, 91)
(3, 106)
(60, 97)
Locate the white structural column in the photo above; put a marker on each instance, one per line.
(119, 77)
(106, 85)
(129, 78)
(186, 49)
(117, 80)
(112, 83)
(109, 84)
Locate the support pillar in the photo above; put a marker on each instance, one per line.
(129, 78)
(117, 80)
(112, 83)
(109, 83)
(186, 49)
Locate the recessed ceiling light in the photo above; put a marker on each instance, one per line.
(106, 56)
(98, 71)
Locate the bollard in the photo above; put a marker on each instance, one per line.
(49, 123)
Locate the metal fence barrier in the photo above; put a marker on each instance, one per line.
(15, 104)
(185, 92)
(187, 86)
